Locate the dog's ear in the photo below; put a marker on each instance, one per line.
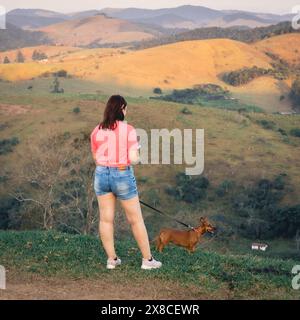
(202, 220)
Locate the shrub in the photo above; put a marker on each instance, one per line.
(244, 75)
(266, 124)
(295, 92)
(282, 132)
(7, 145)
(295, 132)
(224, 188)
(263, 218)
(36, 55)
(189, 189)
(185, 110)
(56, 87)
(157, 91)
(20, 57)
(6, 60)
(60, 74)
(76, 110)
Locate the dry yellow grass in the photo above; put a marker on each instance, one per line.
(173, 66)
(286, 46)
(50, 51)
(176, 65)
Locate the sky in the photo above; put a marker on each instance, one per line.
(270, 6)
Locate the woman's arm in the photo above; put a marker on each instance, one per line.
(134, 155)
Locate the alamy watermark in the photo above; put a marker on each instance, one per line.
(2, 278)
(296, 279)
(161, 146)
(2, 17)
(296, 18)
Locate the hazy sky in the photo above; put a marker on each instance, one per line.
(272, 6)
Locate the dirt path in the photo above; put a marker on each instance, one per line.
(36, 287)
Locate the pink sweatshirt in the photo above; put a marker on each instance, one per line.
(111, 147)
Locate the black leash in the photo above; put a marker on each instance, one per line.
(163, 213)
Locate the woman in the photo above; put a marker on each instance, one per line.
(115, 148)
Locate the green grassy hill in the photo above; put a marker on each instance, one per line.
(205, 274)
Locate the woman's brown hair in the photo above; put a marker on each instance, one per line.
(113, 112)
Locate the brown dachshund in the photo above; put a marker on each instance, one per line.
(186, 239)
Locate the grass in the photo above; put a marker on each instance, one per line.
(57, 254)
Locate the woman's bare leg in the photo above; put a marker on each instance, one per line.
(134, 216)
(106, 223)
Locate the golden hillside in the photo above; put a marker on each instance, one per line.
(177, 65)
(173, 66)
(95, 30)
(50, 51)
(286, 46)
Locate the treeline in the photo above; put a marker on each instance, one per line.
(245, 35)
(13, 37)
(245, 75)
(280, 70)
(20, 58)
(207, 91)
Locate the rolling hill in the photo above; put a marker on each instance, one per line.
(287, 47)
(170, 66)
(174, 66)
(96, 30)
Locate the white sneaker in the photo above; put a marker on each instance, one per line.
(151, 264)
(112, 263)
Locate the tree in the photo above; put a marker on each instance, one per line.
(157, 91)
(57, 185)
(56, 86)
(36, 55)
(6, 60)
(20, 57)
(295, 92)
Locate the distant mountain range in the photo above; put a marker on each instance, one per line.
(188, 17)
(140, 27)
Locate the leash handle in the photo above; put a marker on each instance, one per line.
(163, 213)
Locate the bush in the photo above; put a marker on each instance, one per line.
(282, 132)
(157, 91)
(189, 189)
(295, 92)
(37, 56)
(266, 124)
(282, 97)
(224, 188)
(7, 145)
(56, 86)
(76, 110)
(295, 132)
(20, 57)
(6, 60)
(9, 207)
(185, 110)
(263, 218)
(245, 75)
(60, 74)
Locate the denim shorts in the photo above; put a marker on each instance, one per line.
(121, 183)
